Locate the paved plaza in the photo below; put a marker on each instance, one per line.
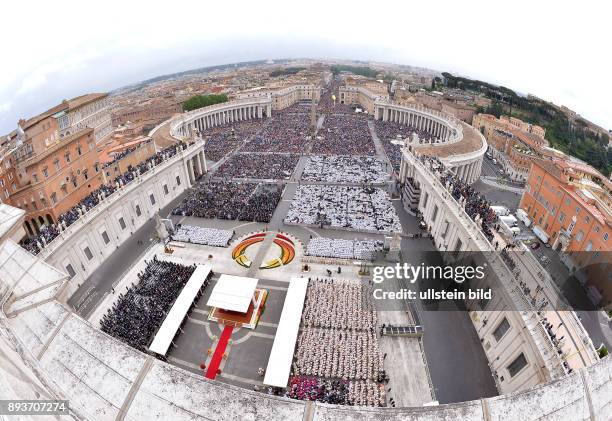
(420, 370)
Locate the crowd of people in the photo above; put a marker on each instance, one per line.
(200, 235)
(344, 249)
(310, 388)
(338, 340)
(138, 313)
(49, 232)
(225, 139)
(345, 169)
(354, 208)
(344, 135)
(287, 132)
(338, 304)
(387, 130)
(231, 200)
(258, 166)
(475, 204)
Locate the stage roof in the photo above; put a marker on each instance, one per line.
(233, 293)
(281, 356)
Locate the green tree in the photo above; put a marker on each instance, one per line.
(199, 101)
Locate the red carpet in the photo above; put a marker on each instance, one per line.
(215, 361)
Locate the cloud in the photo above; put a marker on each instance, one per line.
(5, 106)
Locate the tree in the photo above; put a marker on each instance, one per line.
(433, 84)
(199, 101)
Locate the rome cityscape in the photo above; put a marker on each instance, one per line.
(305, 237)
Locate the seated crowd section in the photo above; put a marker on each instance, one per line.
(231, 200)
(138, 313)
(352, 208)
(287, 131)
(344, 135)
(225, 139)
(345, 169)
(48, 232)
(344, 249)
(200, 235)
(337, 358)
(258, 166)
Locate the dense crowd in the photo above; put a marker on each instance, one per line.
(338, 304)
(338, 340)
(200, 235)
(48, 233)
(388, 131)
(284, 132)
(258, 166)
(392, 130)
(475, 204)
(223, 140)
(344, 135)
(230, 200)
(345, 169)
(138, 313)
(344, 249)
(354, 208)
(119, 156)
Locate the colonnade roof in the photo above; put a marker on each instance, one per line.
(471, 142)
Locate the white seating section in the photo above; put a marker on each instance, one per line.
(205, 236)
(345, 169)
(338, 339)
(343, 249)
(352, 208)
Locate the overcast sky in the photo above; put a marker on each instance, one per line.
(557, 50)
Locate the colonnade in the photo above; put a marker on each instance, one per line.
(469, 172)
(424, 122)
(196, 166)
(214, 116)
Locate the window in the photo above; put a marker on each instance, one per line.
(605, 237)
(517, 365)
(70, 271)
(178, 180)
(561, 217)
(122, 223)
(105, 237)
(88, 254)
(579, 236)
(435, 214)
(57, 165)
(67, 156)
(577, 210)
(138, 212)
(165, 189)
(589, 246)
(501, 329)
(46, 172)
(35, 177)
(54, 198)
(152, 199)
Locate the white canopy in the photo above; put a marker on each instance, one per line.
(233, 293)
(281, 356)
(174, 318)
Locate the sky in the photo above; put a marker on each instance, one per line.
(559, 51)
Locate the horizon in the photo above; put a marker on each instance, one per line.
(78, 58)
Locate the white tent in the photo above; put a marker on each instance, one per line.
(233, 293)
